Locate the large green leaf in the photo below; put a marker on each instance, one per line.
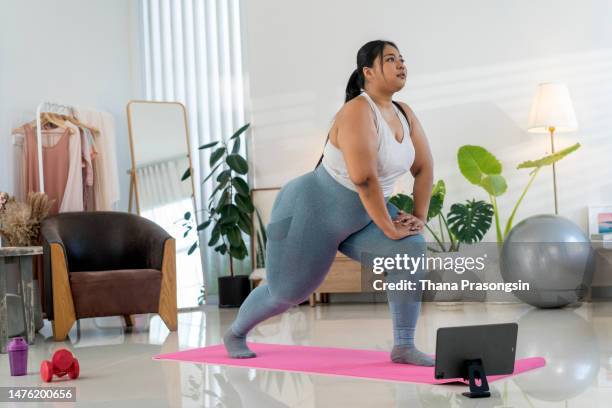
(214, 235)
(237, 163)
(244, 203)
(476, 162)
(550, 159)
(494, 184)
(482, 168)
(234, 237)
(438, 192)
(435, 206)
(224, 176)
(224, 228)
(403, 202)
(469, 222)
(244, 224)
(240, 131)
(439, 189)
(229, 214)
(239, 252)
(241, 186)
(216, 155)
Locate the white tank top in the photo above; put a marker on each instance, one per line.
(394, 158)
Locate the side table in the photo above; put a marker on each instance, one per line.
(22, 255)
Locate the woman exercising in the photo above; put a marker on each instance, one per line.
(343, 205)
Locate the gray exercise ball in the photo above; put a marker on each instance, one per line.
(569, 345)
(553, 255)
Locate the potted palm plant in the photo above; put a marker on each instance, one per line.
(228, 213)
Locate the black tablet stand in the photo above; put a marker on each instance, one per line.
(474, 370)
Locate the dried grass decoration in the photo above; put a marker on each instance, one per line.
(20, 222)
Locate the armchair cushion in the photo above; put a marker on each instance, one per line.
(119, 292)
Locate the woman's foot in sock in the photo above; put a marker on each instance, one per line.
(410, 355)
(236, 345)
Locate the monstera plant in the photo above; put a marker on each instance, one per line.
(481, 167)
(465, 222)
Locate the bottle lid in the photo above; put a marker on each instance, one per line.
(17, 344)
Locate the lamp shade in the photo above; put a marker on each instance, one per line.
(552, 106)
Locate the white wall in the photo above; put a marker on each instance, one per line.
(69, 51)
(473, 67)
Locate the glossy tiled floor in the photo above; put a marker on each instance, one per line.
(117, 370)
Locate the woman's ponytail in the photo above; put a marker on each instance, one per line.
(365, 58)
(353, 88)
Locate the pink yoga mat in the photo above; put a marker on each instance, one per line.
(329, 361)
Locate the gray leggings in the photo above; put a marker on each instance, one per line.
(314, 216)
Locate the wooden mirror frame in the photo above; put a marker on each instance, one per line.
(134, 197)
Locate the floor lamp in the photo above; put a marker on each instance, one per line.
(552, 112)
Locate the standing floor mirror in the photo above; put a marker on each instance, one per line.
(161, 188)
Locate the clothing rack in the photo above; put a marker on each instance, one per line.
(87, 154)
(49, 107)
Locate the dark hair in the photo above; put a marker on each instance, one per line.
(365, 58)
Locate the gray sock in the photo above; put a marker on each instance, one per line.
(236, 345)
(404, 316)
(410, 355)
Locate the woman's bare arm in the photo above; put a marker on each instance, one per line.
(358, 140)
(422, 168)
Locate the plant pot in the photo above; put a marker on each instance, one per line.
(233, 290)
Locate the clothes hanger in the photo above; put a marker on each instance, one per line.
(80, 124)
(54, 119)
(45, 119)
(75, 121)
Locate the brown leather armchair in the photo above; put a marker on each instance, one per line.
(106, 264)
